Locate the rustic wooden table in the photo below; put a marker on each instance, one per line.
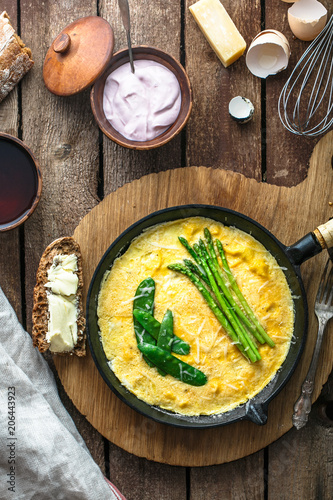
(80, 167)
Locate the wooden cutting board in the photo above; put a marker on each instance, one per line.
(289, 213)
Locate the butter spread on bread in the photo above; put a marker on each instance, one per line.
(58, 320)
(62, 303)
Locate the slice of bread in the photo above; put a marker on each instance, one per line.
(15, 57)
(40, 313)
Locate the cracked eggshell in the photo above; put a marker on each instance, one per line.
(268, 54)
(280, 35)
(241, 109)
(307, 18)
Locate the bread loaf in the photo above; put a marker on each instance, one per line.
(41, 314)
(15, 57)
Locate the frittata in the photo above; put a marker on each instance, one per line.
(232, 380)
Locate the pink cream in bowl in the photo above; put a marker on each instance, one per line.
(143, 105)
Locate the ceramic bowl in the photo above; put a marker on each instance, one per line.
(21, 185)
(157, 55)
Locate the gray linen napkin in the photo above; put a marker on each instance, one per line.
(42, 455)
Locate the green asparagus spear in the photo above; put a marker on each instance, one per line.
(211, 303)
(250, 348)
(225, 289)
(179, 346)
(172, 365)
(193, 254)
(210, 245)
(192, 267)
(241, 297)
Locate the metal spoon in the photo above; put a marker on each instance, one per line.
(125, 15)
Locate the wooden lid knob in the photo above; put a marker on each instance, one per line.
(62, 43)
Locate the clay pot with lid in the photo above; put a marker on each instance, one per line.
(82, 55)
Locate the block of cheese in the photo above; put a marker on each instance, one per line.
(15, 57)
(220, 31)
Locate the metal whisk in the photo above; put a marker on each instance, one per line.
(306, 101)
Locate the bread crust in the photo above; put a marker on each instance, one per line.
(40, 313)
(15, 57)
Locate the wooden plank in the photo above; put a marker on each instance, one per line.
(64, 137)
(157, 24)
(303, 459)
(213, 138)
(300, 463)
(62, 133)
(10, 278)
(138, 478)
(238, 480)
(151, 24)
(287, 155)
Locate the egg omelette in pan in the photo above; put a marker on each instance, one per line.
(231, 379)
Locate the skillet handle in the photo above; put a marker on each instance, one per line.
(257, 413)
(311, 244)
(324, 234)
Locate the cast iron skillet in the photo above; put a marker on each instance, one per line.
(289, 259)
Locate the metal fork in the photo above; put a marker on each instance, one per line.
(324, 312)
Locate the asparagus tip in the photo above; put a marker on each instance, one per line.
(207, 233)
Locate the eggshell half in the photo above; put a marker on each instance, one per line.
(307, 18)
(280, 35)
(241, 109)
(268, 54)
